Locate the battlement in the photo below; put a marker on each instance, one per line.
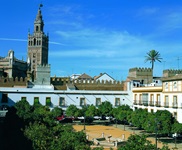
(145, 75)
(141, 69)
(11, 82)
(171, 72)
(64, 80)
(60, 84)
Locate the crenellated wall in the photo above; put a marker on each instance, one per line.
(171, 72)
(143, 74)
(60, 84)
(11, 82)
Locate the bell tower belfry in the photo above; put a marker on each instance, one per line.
(38, 44)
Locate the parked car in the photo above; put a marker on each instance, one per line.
(62, 118)
(66, 120)
(80, 118)
(97, 118)
(87, 120)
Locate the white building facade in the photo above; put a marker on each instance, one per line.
(63, 98)
(168, 96)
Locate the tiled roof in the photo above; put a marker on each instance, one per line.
(84, 76)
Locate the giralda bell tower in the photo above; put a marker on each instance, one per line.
(38, 44)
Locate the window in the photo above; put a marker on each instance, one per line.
(62, 101)
(98, 101)
(48, 101)
(140, 99)
(145, 98)
(175, 85)
(175, 101)
(158, 97)
(37, 28)
(36, 100)
(117, 101)
(151, 99)
(4, 98)
(166, 85)
(82, 102)
(135, 97)
(158, 103)
(166, 103)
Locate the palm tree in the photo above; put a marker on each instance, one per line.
(153, 56)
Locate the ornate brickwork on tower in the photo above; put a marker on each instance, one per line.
(38, 44)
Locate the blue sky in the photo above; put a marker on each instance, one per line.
(94, 36)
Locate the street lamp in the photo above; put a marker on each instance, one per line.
(84, 122)
(175, 135)
(124, 124)
(156, 131)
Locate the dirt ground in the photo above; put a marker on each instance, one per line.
(97, 131)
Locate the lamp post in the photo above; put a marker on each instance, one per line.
(84, 122)
(175, 135)
(156, 131)
(124, 124)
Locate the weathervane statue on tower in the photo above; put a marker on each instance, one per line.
(40, 5)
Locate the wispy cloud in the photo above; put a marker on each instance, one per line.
(10, 39)
(91, 43)
(147, 11)
(172, 21)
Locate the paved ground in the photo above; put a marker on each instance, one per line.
(96, 131)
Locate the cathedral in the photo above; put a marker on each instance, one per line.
(37, 55)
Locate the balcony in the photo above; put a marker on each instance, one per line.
(135, 102)
(158, 104)
(151, 103)
(166, 104)
(140, 103)
(175, 105)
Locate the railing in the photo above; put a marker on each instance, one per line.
(145, 103)
(166, 104)
(158, 104)
(135, 102)
(140, 103)
(151, 103)
(175, 105)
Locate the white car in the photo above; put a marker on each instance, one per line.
(97, 117)
(81, 118)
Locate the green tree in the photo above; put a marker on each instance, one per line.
(153, 56)
(72, 110)
(165, 120)
(105, 108)
(23, 109)
(140, 142)
(177, 128)
(91, 111)
(56, 111)
(123, 112)
(139, 117)
(39, 135)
